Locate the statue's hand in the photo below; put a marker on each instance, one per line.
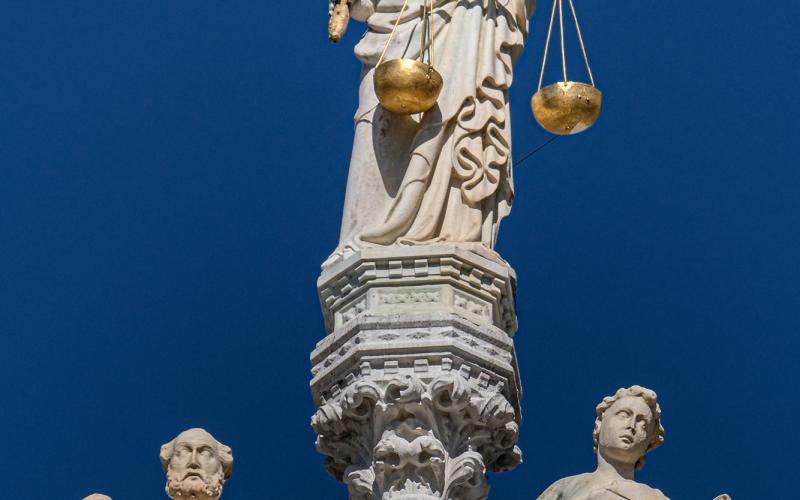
(362, 9)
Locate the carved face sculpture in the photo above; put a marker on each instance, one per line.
(626, 430)
(409, 463)
(197, 465)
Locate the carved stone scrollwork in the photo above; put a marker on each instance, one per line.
(429, 438)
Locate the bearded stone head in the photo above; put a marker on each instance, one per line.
(197, 466)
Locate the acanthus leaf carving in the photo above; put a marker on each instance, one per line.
(450, 392)
(329, 416)
(466, 478)
(359, 481)
(360, 398)
(404, 389)
(413, 435)
(494, 409)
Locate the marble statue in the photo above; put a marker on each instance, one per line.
(628, 425)
(97, 496)
(443, 175)
(196, 465)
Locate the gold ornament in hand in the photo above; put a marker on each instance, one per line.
(339, 17)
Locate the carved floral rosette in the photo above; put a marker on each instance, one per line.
(418, 436)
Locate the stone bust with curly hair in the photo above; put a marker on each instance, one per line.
(627, 426)
(197, 466)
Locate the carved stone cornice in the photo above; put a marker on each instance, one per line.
(467, 280)
(384, 345)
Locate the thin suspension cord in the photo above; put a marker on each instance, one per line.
(563, 53)
(423, 30)
(536, 150)
(583, 47)
(399, 16)
(547, 43)
(430, 27)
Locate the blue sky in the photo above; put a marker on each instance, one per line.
(172, 174)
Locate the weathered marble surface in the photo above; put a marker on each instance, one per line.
(464, 279)
(417, 385)
(628, 425)
(416, 393)
(444, 175)
(196, 465)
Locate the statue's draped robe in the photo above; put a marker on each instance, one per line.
(452, 164)
(594, 487)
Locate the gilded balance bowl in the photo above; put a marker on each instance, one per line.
(407, 86)
(566, 108)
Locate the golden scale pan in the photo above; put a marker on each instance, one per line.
(408, 86)
(566, 107)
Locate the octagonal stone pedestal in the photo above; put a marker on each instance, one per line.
(417, 384)
(466, 279)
